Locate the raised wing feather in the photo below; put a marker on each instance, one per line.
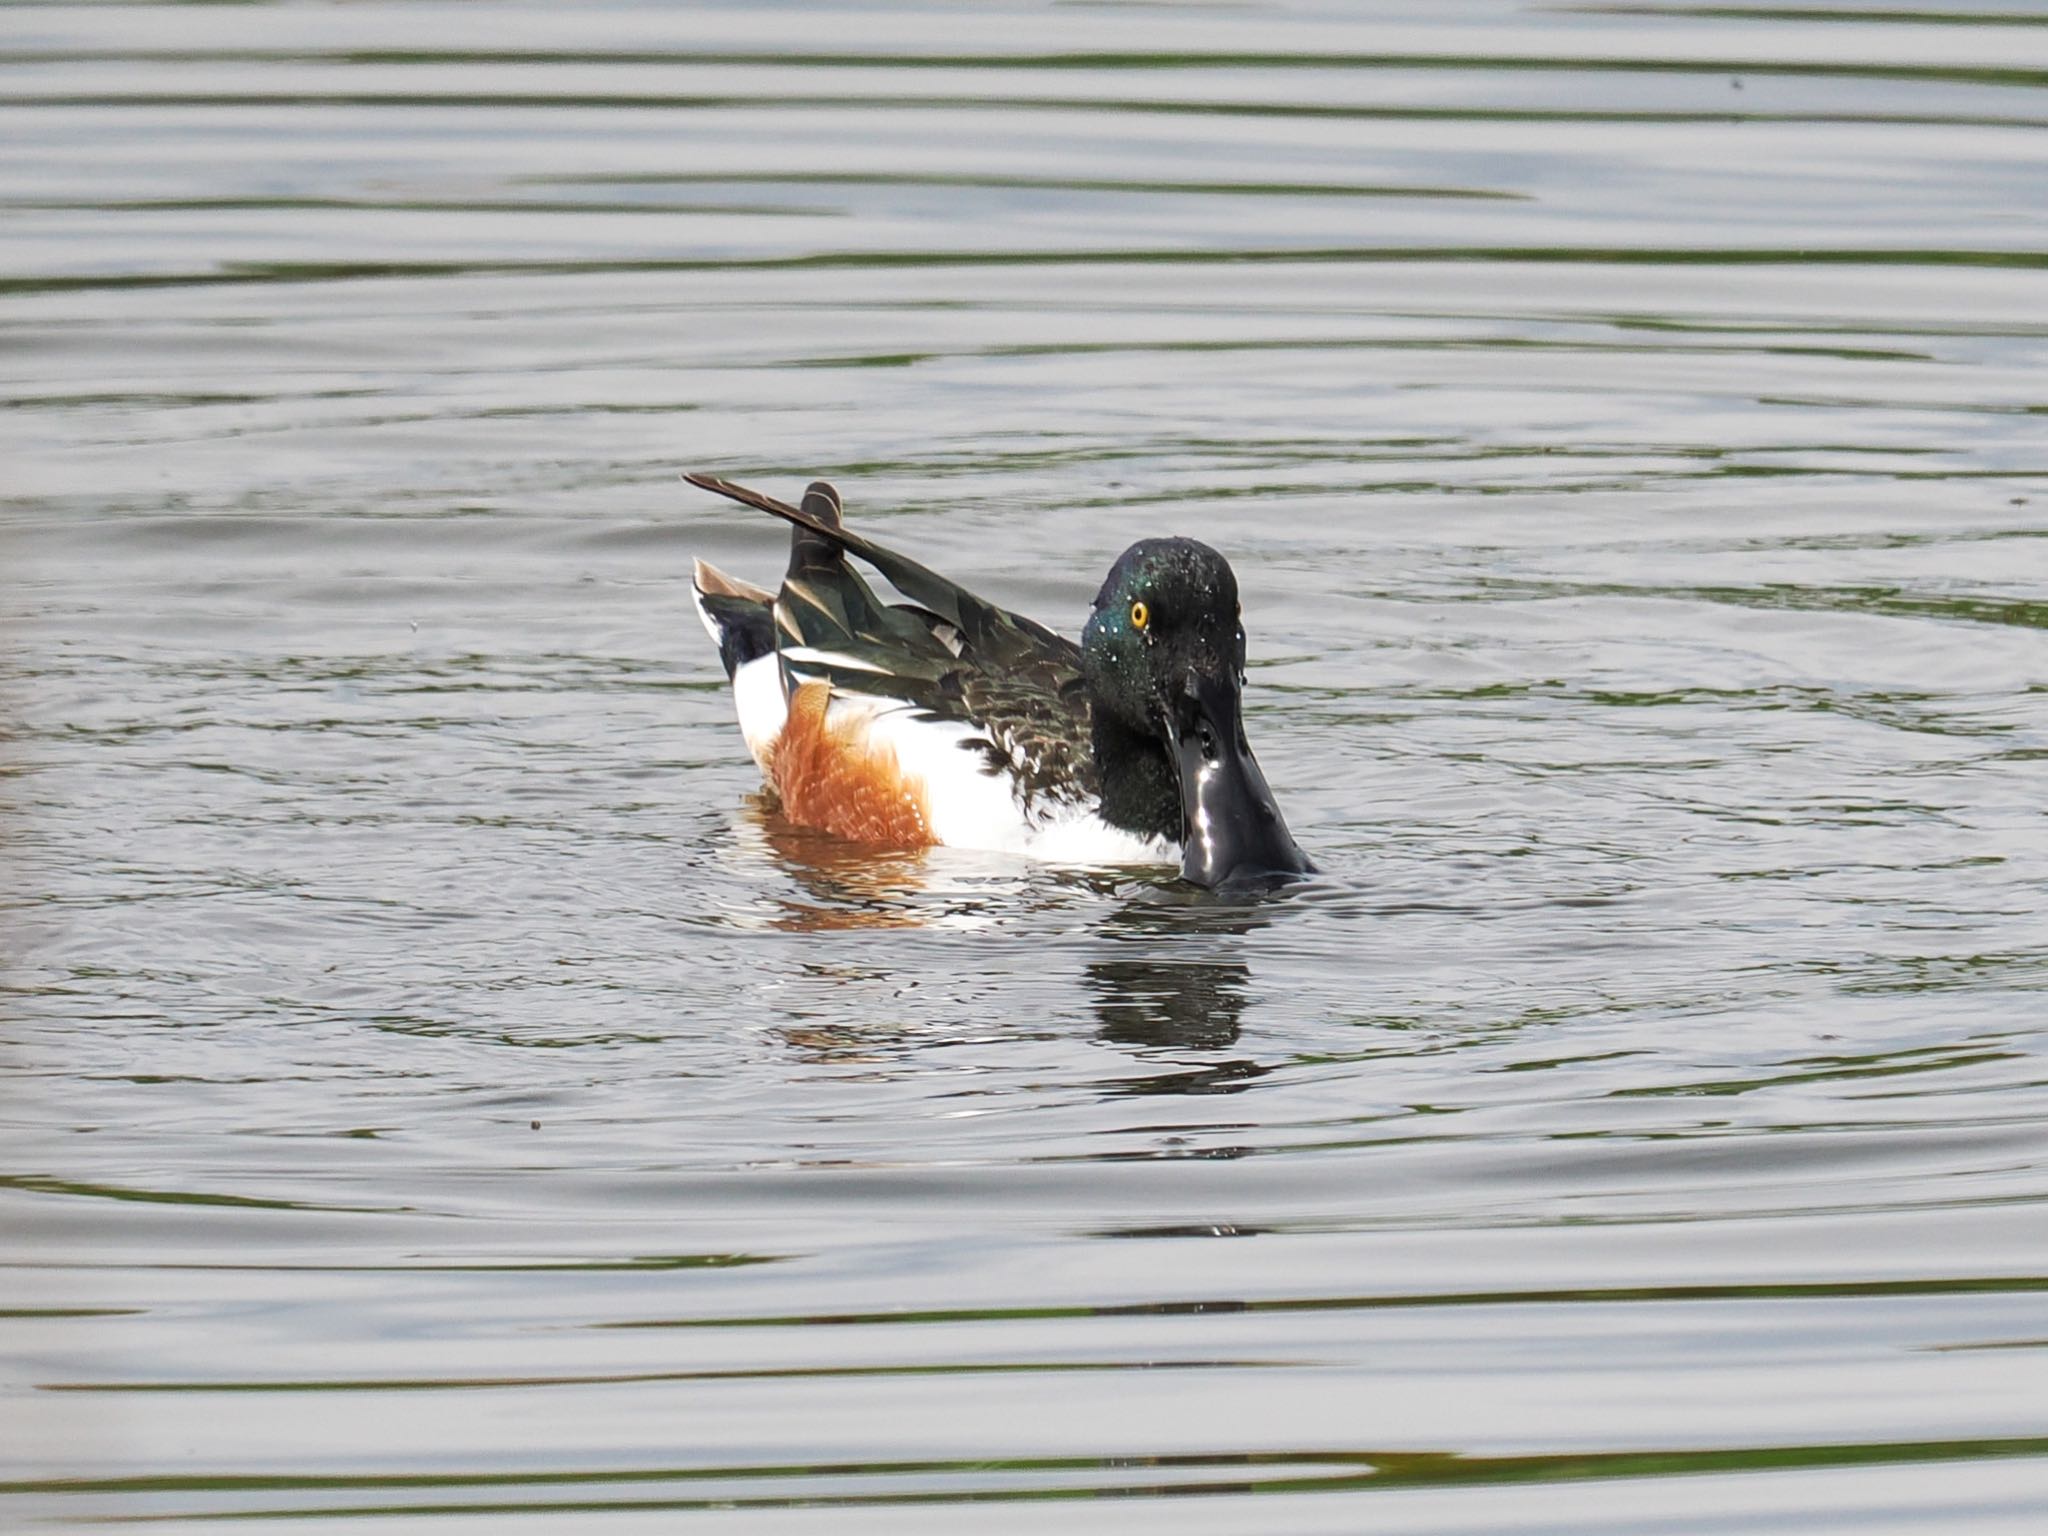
(1002, 638)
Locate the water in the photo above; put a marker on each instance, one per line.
(436, 1082)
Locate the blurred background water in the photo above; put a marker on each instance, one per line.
(436, 1082)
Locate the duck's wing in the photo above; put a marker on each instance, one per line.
(829, 626)
(950, 655)
(999, 638)
(1036, 728)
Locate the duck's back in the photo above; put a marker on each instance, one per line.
(906, 724)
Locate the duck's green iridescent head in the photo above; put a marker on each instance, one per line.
(1163, 652)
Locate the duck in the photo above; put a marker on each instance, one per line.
(947, 720)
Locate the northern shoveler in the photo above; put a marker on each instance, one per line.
(949, 720)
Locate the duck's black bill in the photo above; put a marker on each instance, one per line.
(1236, 834)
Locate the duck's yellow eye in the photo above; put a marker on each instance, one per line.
(1140, 615)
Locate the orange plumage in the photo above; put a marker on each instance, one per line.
(831, 776)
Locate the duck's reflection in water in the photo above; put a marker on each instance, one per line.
(1166, 979)
(848, 885)
(1178, 985)
(1175, 1005)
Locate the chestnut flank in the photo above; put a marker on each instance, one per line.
(831, 776)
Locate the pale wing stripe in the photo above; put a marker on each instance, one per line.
(810, 656)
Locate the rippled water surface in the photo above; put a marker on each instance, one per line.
(437, 1084)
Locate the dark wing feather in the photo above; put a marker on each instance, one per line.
(1003, 638)
(831, 628)
(955, 657)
